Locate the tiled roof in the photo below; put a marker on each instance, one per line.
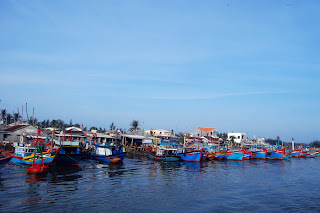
(14, 128)
(206, 129)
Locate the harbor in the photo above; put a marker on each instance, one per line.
(141, 185)
(143, 172)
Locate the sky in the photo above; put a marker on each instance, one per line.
(241, 66)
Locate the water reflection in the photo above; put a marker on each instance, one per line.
(32, 178)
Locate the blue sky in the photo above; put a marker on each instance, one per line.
(242, 66)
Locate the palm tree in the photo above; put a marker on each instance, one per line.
(16, 117)
(134, 126)
(9, 118)
(3, 114)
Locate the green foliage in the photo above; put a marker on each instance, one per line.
(134, 126)
(112, 126)
(315, 144)
(93, 128)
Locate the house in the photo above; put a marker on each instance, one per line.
(237, 137)
(20, 133)
(159, 133)
(71, 133)
(204, 131)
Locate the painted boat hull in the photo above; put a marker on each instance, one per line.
(47, 158)
(261, 154)
(192, 156)
(4, 161)
(234, 155)
(72, 159)
(105, 158)
(163, 158)
(216, 155)
(247, 156)
(69, 155)
(295, 154)
(276, 155)
(308, 155)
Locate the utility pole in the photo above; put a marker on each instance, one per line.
(33, 115)
(27, 113)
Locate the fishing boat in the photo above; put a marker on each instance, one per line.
(306, 154)
(20, 152)
(287, 155)
(247, 155)
(276, 154)
(192, 156)
(47, 157)
(216, 155)
(259, 154)
(234, 155)
(295, 153)
(164, 154)
(4, 160)
(69, 152)
(108, 153)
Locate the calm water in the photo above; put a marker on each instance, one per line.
(142, 185)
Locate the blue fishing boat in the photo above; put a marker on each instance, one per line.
(164, 154)
(286, 155)
(234, 155)
(108, 153)
(21, 151)
(276, 154)
(247, 155)
(26, 155)
(259, 154)
(69, 152)
(295, 153)
(193, 156)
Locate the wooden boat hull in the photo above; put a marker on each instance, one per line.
(308, 155)
(234, 155)
(195, 156)
(72, 159)
(106, 158)
(69, 155)
(5, 160)
(216, 155)
(247, 155)
(163, 158)
(260, 154)
(276, 155)
(48, 158)
(295, 153)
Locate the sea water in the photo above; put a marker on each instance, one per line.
(143, 185)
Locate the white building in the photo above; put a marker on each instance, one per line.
(204, 131)
(237, 137)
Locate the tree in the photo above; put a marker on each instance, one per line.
(16, 117)
(3, 114)
(315, 144)
(93, 128)
(134, 126)
(112, 126)
(9, 118)
(53, 123)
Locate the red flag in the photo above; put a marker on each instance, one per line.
(278, 137)
(293, 139)
(85, 134)
(82, 125)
